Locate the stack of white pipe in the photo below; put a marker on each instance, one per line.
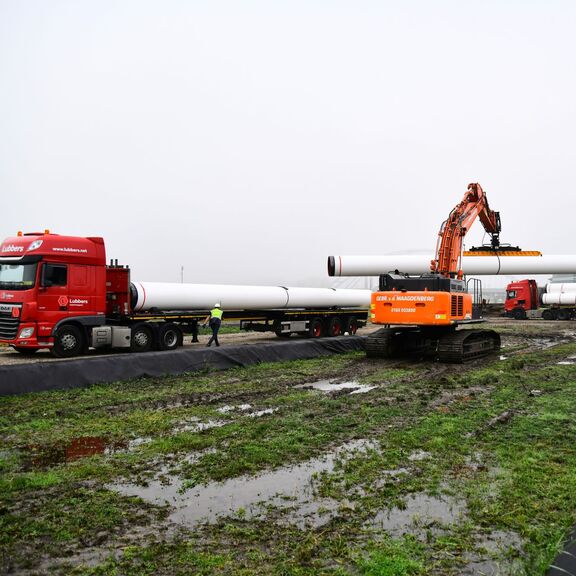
(560, 287)
(168, 296)
(560, 294)
(471, 265)
(560, 298)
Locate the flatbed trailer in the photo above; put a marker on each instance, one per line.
(57, 292)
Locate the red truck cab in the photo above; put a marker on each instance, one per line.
(521, 296)
(49, 281)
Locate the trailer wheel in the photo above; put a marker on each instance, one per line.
(564, 314)
(549, 314)
(350, 325)
(334, 327)
(315, 328)
(142, 338)
(169, 337)
(69, 341)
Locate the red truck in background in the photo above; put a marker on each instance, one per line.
(57, 292)
(524, 299)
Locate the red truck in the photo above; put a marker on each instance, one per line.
(57, 292)
(524, 299)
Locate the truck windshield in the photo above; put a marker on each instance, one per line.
(17, 276)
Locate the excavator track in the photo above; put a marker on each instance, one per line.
(400, 342)
(465, 345)
(380, 344)
(446, 346)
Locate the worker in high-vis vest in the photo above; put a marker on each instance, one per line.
(215, 320)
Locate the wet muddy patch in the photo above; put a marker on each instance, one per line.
(335, 386)
(418, 513)
(289, 489)
(38, 456)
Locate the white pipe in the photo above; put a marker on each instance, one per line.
(561, 287)
(166, 296)
(566, 298)
(471, 265)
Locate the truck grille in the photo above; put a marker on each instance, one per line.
(8, 326)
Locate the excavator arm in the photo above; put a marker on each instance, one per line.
(452, 232)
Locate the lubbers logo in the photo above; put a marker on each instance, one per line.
(78, 302)
(12, 248)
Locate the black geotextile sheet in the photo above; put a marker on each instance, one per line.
(565, 563)
(78, 373)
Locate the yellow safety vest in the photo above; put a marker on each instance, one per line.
(216, 313)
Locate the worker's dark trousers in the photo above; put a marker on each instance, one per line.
(215, 325)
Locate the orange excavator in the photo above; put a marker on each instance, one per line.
(420, 314)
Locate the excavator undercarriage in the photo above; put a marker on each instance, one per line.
(445, 344)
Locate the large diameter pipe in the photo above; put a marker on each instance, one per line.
(560, 287)
(471, 265)
(167, 296)
(566, 298)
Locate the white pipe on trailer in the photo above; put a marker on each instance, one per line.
(560, 287)
(560, 298)
(171, 296)
(471, 265)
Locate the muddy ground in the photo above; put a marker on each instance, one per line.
(338, 465)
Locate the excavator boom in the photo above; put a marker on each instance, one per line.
(452, 232)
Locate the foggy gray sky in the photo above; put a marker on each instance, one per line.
(247, 141)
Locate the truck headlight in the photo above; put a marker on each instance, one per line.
(26, 332)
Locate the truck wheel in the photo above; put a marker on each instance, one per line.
(350, 325)
(142, 338)
(25, 351)
(69, 341)
(334, 327)
(549, 314)
(519, 314)
(169, 337)
(564, 314)
(315, 330)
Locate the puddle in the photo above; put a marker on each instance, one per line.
(38, 456)
(289, 488)
(332, 386)
(492, 555)
(418, 455)
(259, 413)
(569, 361)
(227, 408)
(420, 510)
(195, 425)
(545, 343)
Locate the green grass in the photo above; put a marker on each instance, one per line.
(514, 477)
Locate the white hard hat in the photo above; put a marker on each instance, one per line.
(217, 305)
